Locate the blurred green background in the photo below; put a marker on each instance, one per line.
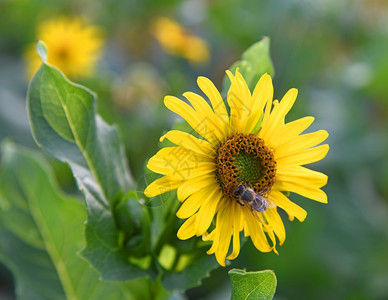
(334, 52)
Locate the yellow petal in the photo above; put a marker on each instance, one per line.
(267, 110)
(211, 195)
(195, 201)
(276, 224)
(303, 190)
(215, 98)
(288, 132)
(224, 231)
(238, 100)
(187, 230)
(292, 209)
(212, 237)
(256, 232)
(276, 118)
(180, 163)
(189, 207)
(162, 185)
(301, 175)
(244, 90)
(236, 231)
(195, 184)
(209, 237)
(202, 107)
(305, 156)
(270, 233)
(195, 119)
(262, 94)
(301, 142)
(190, 142)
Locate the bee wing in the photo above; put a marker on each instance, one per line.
(271, 203)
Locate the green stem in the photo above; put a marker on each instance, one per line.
(167, 229)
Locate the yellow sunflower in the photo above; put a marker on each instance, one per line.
(72, 46)
(239, 168)
(177, 40)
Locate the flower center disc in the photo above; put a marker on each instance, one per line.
(244, 158)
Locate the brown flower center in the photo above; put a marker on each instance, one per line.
(244, 158)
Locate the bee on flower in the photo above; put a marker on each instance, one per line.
(73, 46)
(247, 159)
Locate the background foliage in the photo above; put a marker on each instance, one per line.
(332, 51)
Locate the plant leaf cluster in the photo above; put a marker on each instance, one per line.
(116, 243)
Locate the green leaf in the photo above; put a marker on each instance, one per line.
(255, 62)
(34, 273)
(41, 49)
(134, 220)
(64, 123)
(260, 285)
(49, 268)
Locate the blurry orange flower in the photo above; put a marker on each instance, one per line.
(177, 40)
(72, 46)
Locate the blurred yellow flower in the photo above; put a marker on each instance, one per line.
(72, 46)
(177, 40)
(234, 176)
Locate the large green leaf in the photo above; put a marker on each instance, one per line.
(255, 61)
(64, 123)
(260, 285)
(50, 267)
(34, 272)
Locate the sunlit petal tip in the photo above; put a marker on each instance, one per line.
(148, 193)
(170, 99)
(234, 254)
(162, 138)
(325, 134)
(150, 163)
(301, 219)
(187, 231)
(151, 191)
(323, 198)
(231, 257)
(187, 95)
(265, 79)
(325, 150)
(220, 260)
(162, 185)
(208, 236)
(182, 235)
(202, 80)
(293, 91)
(230, 74)
(210, 252)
